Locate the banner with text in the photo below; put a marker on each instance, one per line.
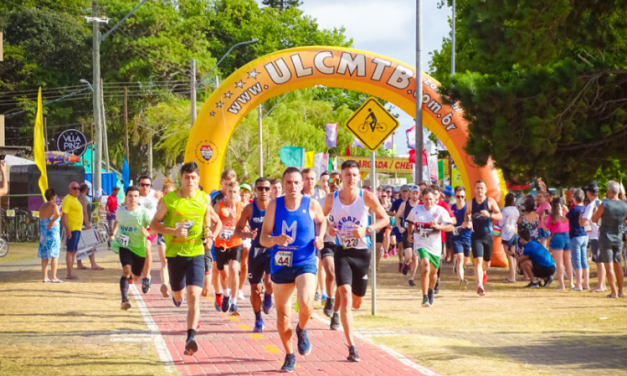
(383, 164)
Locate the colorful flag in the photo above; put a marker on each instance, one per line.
(348, 150)
(292, 156)
(38, 147)
(441, 146)
(411, 137)
(357, 143)
(321, 163)
(126, 173)
(412, 157)
(331, 135)
(309, 159)
(389, 143)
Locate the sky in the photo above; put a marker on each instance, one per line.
(387, 28)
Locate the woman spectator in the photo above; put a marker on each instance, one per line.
(543, 208)
(578, 241)
(461, 237)
(50, 236)
(530, 221)
(508, 233)
(557, 224)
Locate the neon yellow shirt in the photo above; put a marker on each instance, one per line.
(74, 211)
(188, 212)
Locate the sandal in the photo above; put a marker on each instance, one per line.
(46, 281)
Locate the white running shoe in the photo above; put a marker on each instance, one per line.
(240, 295)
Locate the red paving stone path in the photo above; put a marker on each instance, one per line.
(229, 347)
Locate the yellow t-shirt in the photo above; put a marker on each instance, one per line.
(74, 211)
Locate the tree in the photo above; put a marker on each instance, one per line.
(542, 84)
(282, 4)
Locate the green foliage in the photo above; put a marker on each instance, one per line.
(543, 85)
(282, 4)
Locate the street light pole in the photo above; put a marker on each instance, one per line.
(453, 41)
(418, 128)
(192, 95)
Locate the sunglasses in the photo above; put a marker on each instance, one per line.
(335, 181)
(265, 189)
(145, 185)
(76, 187)
(460, 196)
(384, 196)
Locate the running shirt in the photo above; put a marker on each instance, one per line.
(446, 207)
(188, 212)
(256, 223)
(226, 239)
(424, 236)
(460, 233)
(149, 203)
(129, 235)
(408, 209)
(346, 217)
(298, 225)
(481, 226)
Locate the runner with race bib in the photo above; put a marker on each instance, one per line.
(148, 199)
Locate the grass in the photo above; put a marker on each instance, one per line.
(65, 329)
(20, 251)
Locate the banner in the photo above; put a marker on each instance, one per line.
(126, 173)
(389, 143)
(292, 156)
(309, 159)
(411, 137)
(357, 143)
(331, 135)
(38, 147)
(383, 164)
(321, 163)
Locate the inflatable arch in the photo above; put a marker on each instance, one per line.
(304, 67)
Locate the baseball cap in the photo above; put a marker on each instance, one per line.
(404, 187)
(246, 187)
(592, 187)
(413, 188)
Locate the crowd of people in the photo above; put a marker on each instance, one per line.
(298, 234)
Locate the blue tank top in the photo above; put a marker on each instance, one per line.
(464, 233)
(481, 226)
(256, 223)
(301, 228)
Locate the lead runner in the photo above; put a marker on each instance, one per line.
(293, 258)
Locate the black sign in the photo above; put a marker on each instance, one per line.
(72, 141)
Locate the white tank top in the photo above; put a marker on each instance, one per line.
(149, 203)
(343, 217)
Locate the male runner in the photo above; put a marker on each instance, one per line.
(246, 194)
(128, 238)
(481, 210)
(259, 256)
(228, 247)
(311, 190)
(404, 196)
(349, 210)
(290, 228)
(168, 186)
(276, 189)
(148, 199)
(332, 305)
(438, 195)
(186, 215)
(426, 223)
(401, 223)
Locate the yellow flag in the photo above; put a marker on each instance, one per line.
(309, 159)
(38, 147)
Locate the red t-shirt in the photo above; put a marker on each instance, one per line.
(446, 207)
(112, 204)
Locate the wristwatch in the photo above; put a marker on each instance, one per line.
(368, 230)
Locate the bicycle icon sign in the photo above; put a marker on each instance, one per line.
(372, 124)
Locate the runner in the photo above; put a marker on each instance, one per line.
(246, 197)
(332, 305)
(148, 199)
(481, 210)
(401, 224)
(228, 247)
(383, 236)
(311, 190)
(259, 257)
(276, 189)
(185, 213)
(404, 196)
(290, 228)
(438, 195)
(128, 239)
(426, 223)
(168, 186)
(349, 209)
(461, 237)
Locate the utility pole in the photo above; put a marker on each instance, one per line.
(418, 91)
(192, 95)
(260, 150)
(96, 164)
(453, 41)
(126, 150)
(104, 128)
(46, 131)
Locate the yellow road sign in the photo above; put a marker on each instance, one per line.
(372, 124)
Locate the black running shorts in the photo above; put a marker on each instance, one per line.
(186, 271)
(128, 257)
(258, 263)
(328, 250)
(482, 246)
(351, 268)
(223, 256)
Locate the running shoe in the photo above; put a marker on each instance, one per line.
(267, 303)
(218, 303)
(191, 346)
(177, 304)
(328, 307)
(145, 285)
(335, 322)
(126, 306)
(393, 252)
(405, 269)
(352, 354)
(324, 297)
(258, 324)
(532, 285)
(317, 296)
(240, 295)
(400, 267)
(233, 311)
(226, 303)
(412, 283)
(485, 277)
(386, 255)
(164, 290)
(480, 290)
(425, 301)
(463, 284)
(548, 281)
(436, 290)
(289, 364)
(304, 346)
(430, 295)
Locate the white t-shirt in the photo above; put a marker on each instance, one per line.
(509, 222)
(424, 236)
(587, 214)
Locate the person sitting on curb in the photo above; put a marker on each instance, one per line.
(535, 260)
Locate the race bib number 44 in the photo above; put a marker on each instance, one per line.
(123, 239)
(283, 258)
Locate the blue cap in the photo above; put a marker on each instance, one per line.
(448, 191)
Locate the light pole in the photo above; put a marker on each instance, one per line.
(195, 85)
(418, 128)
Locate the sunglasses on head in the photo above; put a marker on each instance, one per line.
(335, 181)
(146, 184)
(265, 189)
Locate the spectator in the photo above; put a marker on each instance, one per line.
(557, 225)
(82, 198)
(72, 219)
(112, 206)
(592, 193)
(612, 213)
(543, 208)
(578, 242)
(50, 236)
(536, 261)
(508, 233)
